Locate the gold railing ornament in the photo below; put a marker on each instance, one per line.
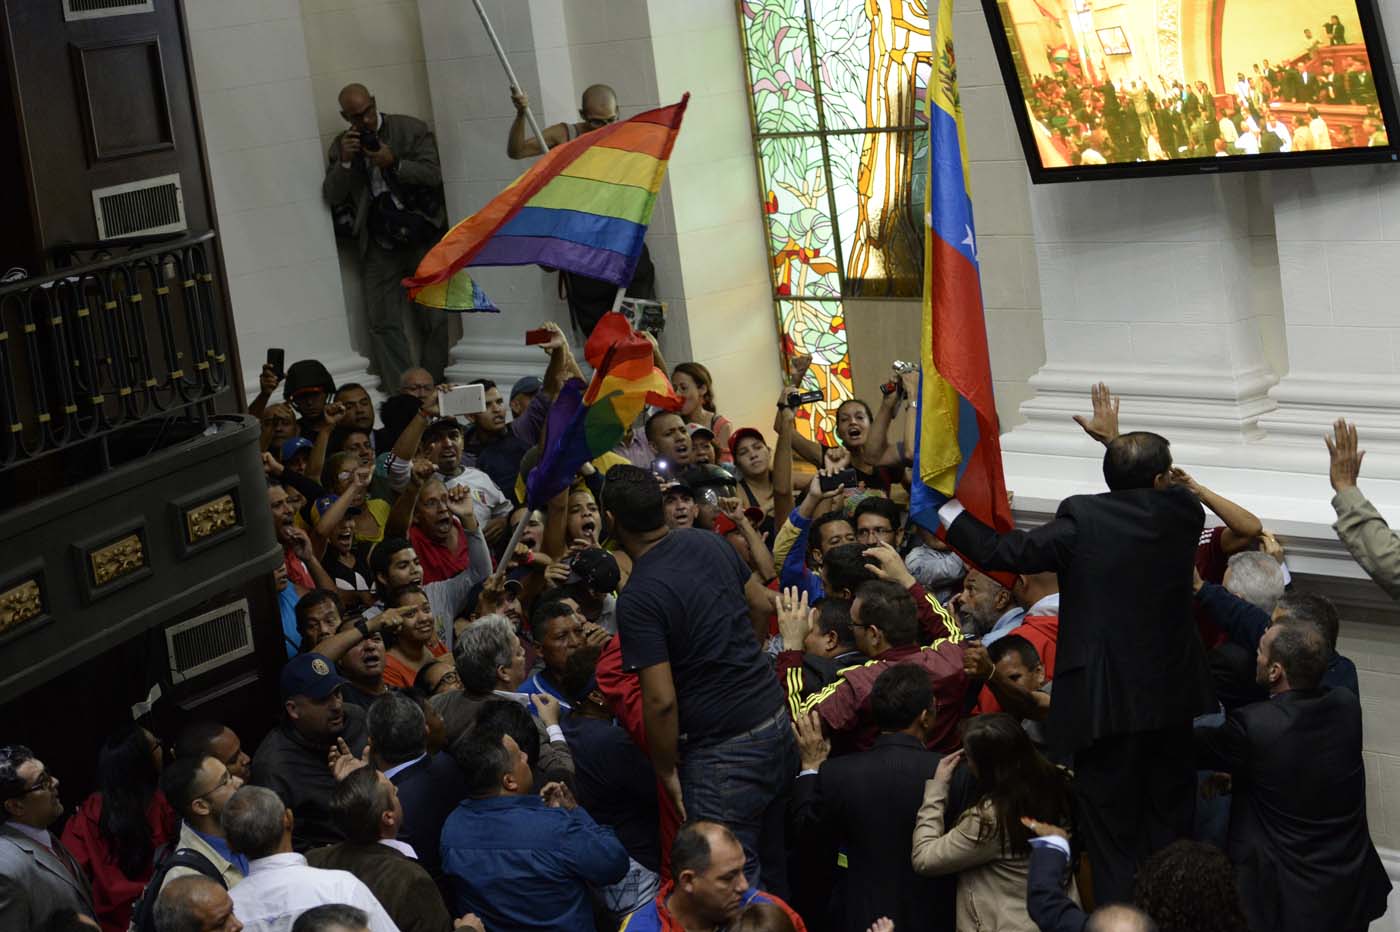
(117, 559)
(210, 518)
(20, 603)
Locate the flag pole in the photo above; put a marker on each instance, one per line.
(509, 553)
(617, 299)
(510, 72)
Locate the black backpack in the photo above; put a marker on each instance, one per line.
(143, 913)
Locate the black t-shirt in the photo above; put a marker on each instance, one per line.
(684, 604)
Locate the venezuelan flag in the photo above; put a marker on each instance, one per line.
(582, 424)
(956, 450)
(583, 207)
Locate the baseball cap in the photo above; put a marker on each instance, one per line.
(528, 385)
(677, 488)
(695, 429)
(305, 375)
(596, 569)
(743, 432)
(310, 675)
(293, 446)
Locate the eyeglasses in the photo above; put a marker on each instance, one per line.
(356, 117)
(217, 786)
(449, 678)
(44, 783)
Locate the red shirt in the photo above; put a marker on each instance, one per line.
(1042, 631)
(112, 891)
(439, 562)
(297, 572)
(1211, 560)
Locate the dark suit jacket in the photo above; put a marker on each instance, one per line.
(1128, 658)
(35, 884)
(1298, 834)
(428, 791)
(416, 163)
(1049, 906)
(398, 882)
(871, 800)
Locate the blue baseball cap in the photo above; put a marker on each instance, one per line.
(310, 675)
(293, 446)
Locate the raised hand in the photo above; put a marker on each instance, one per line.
(1270, 545)
(472, 923)
(883, 924)
(1346, 456)
(558, 796)
(886, 563)
(1103, 426)
(298, 541)
(976, 661)
(267, 380)
(342, 763)
(270, 465)
(556, 574)
(944, 773)
(422, 470)
(332, 414)
(1043, 829)
(812, 744)
(547, 707)
(794, 617)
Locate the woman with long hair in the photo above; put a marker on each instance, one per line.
(694, 384)
(116, 831)
(988, 847)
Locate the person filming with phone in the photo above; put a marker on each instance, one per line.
(384, 187)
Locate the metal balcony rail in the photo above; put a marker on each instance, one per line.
(98, 348)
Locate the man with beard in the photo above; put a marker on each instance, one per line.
(985, 608)
(444, 520)
(292, 758)
(198, 788)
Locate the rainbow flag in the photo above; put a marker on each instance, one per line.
(585, 424)
(956, 450)
(582, 207)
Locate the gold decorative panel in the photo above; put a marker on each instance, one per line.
(117, 559)
(20, 603)
(210, 518)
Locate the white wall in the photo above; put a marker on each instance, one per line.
(259, 116)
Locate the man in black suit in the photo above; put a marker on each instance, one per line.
(1130, 672)
(430, 785)
(1298, 832)
(871, 799)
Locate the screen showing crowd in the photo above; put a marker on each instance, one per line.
(1124, 82)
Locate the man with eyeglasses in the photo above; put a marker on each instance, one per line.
(877, 522)
(384, 187)
(198, 788)
(38, 876)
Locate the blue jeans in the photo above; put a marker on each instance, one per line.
(744, 782)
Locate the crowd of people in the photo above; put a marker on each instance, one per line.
(1096, 121)
(721, 682)
(723, 685)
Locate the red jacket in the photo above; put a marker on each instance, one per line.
(623, 693)
(1042, 631)
(845, 705)
(112, 891)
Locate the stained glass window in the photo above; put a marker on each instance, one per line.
(837, 89)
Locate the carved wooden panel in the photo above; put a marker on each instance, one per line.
(122, 96)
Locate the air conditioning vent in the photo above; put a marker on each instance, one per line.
(95, 9)
(211, 640)
(140, 208)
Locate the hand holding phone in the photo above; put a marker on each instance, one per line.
(538, 336)
(277, 359)
(844, 479)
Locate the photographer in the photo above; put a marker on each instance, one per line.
(384, 188)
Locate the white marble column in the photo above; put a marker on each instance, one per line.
(265, 161)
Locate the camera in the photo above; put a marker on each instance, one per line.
(901, 368)
(369, 140)
(798, 399)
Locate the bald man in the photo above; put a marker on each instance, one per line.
(195, 904)
(384, 187)
(598, 109)
(589, 298)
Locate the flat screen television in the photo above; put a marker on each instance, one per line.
(1130, 88)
